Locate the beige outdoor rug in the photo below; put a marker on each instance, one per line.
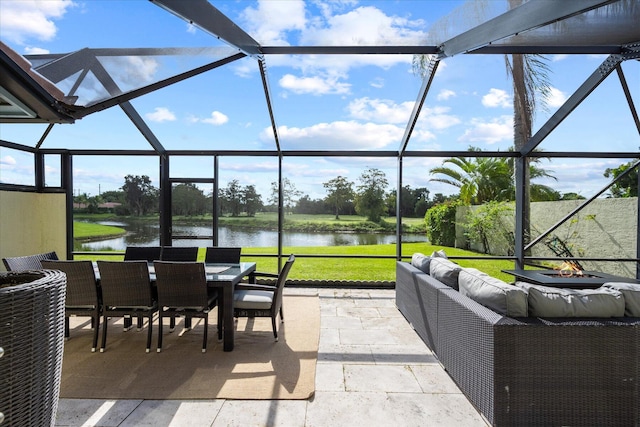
(257, 368)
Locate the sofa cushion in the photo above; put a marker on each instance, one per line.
(445, 271)
(493, 293)
(631, 293)
(546, 301)
(421, 262)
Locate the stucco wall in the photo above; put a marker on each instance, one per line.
(32, 223)
(606, 228)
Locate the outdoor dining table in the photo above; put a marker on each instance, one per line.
(224, 277)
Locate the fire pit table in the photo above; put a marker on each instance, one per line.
(557, 279)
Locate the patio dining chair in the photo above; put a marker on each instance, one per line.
(126, 291)
(29, 262)
(142, 253)
(177, 253)
(83, 294)
(222, 255)
(253, 300)
(183, 291)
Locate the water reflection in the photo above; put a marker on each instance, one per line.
(141, 233)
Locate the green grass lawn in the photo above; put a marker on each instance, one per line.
(324, 268)
(350, 268)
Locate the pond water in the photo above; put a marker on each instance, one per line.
(147, 234)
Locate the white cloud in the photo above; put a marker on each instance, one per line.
(556, 97)
(559, 57)
(7, 160)
(314, 85)
(496, 130)
(445, 94)
(191, 29)
(338, 135)
(378, 83)
(30, 50)
(21, 20)
(161, 114)
(216, 119)
(131, 72)
(496, 98)
(387, 111)
(380, 110)
(277, 22)
(270, 21)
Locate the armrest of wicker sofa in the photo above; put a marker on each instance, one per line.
(417, 300)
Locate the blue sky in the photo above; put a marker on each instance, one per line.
(342, 102)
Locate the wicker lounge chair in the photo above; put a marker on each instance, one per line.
(82, 297)
(29, 262)
(253, 300)
(182, 291)
(126, 291)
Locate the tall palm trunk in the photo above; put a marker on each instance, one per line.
(521, 133)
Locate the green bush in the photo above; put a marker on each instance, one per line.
(441, 224)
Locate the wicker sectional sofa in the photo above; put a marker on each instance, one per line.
(527, 370)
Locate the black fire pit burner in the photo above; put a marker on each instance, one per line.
(588, 279)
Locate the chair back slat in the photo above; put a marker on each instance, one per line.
(223, 255)
(125, 283)
(142, 253)
(181, 284)
(177, 253)
(82, 289)
(29, 262)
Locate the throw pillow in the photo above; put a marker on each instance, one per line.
(545, 301)
(493, 293)
(445, 271)
(631, 293)
(439, 254)
(421, 262)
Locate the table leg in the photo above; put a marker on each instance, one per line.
(227, 312)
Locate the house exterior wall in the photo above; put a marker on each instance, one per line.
(32, 223)
(605, 228)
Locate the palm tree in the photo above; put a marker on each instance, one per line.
(485, 179)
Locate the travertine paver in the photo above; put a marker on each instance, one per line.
(372, 370)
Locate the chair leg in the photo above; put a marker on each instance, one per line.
(273, 324)
(66, 327)
(149, 333)
(204, 339)
(140, 322)
(281, 315)
(127, 323)
(96, 320)
(172, 323)
(159, 331)
(104, 333)
(187, 323)
(219, 323)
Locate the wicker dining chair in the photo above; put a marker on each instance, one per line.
(83, 294)
(126, 291)
(177, 253)
(142, 253)
(29, 262)
(222, 255)
(253, 300)
(183, 292)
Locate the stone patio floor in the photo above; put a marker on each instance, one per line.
(372, 370)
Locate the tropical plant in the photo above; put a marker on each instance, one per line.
(486, 225)
(627, 186)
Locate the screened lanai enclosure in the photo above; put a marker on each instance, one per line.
(268, 95)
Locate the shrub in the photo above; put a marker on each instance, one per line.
(441, 224)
